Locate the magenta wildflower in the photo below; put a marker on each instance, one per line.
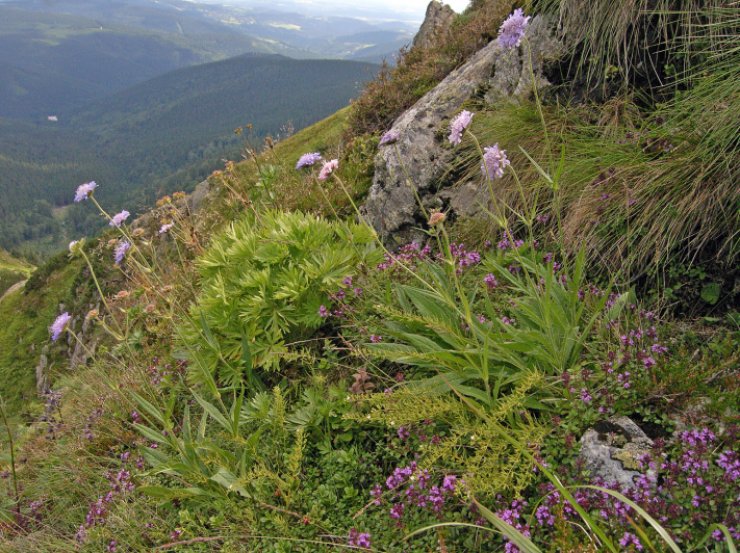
(449, 483)
(359, 539)
(59, 325)
(121, 250)
(84, 191)
(391, 137)
(630, 539)
(307, 160)
(585, 396)
(375, 339)
(494, 162)
(323, 312)
(328, 168)
(118, 219)
(458, 126)
(512, 30)
(490, 281)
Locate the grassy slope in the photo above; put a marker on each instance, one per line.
(12, 271)
(26, 317)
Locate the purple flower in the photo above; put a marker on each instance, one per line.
(403, 433)
(494, 162)
(119, 218)
(84, 191)
(59, 325)
(121, 250)
(357, 539)
(307, 160)
(458, 126)
(449, 483)
(490, 281)
(630, 539)
(328, 168)
(166, 228)
(585, 396)
(375, 339)
(323, 312)
(391, 137)
(511, 32)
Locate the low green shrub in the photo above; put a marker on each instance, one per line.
(264, 283)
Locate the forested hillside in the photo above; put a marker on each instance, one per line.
(158, 137)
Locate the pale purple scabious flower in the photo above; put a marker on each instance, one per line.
(119, 218)
(458, 126)
(494, 162)
(84, 191)
(307, 160)
(391, 137)
(58, 326)
(166, 228)
(328, 168)
(121, 250)
(511, 32)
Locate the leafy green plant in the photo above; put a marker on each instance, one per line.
(264, 282)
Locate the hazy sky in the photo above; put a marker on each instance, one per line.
(382, 9)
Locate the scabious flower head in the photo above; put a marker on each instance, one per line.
(84, 191)
(391, 137)
(437, 218)
(165, 228)
(328, 168)
(75, 245)
(118, 219)
(458, 126)
(121, 250)
(494, 162)
(307, 160)
(59, 325)
(511, 32)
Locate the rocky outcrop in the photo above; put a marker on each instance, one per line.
(437, 22)
(611, 451)
(421, 156)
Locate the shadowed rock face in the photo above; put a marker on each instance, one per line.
(422, 154)
(438, 19)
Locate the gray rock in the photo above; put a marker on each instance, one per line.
(439, 18)
(612, 450)
(417, 162)
(42, 377)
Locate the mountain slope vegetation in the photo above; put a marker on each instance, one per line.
(253, 370)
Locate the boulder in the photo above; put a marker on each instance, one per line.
(421, 156)
(611, 451)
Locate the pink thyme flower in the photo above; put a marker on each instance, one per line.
(59, 325)
(328, 168)
(307, 160)
(511, 32)
(458, 126)
(119, 218)
(494, 162)
(84, 191)
(165, 228)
